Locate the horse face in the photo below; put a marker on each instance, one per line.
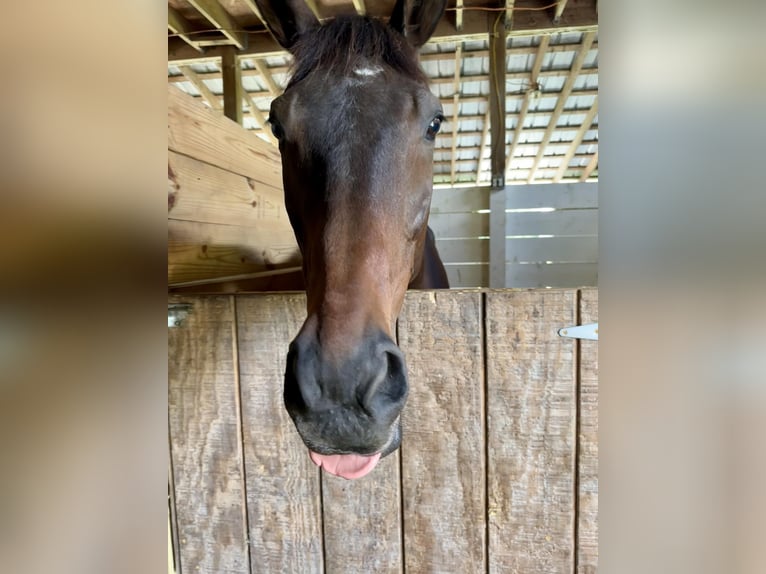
(356, 137)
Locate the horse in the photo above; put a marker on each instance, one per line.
(356, 126)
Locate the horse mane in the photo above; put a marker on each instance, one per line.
(350, 41)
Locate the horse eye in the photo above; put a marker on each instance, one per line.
(434, 126)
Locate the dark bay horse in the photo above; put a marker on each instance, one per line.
(356, 128)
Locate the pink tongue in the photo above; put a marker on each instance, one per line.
(345, 465)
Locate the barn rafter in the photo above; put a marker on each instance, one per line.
(551, 79)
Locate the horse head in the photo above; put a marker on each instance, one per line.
(356, 126)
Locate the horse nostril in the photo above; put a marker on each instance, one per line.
(301, 388)
(388, 390)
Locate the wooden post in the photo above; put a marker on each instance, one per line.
(497, 99)
(497, 145)
(232, 84)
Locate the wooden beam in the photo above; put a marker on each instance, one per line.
(590, 167)
(312, 4)
(254, 8)
(497, 70)
(360, 8)
(446, 80)
(559, 11)
(534, 74)
(509, 13)
(232, 85)
(204, 91)
(181, 26)
(455, 107)
(263, 71)
(483, 144)
(459, 15)
(220, 18)
(562, 99)
(576, 142)
(513, 75)
(580, 17)
(261, 118)
(466, 162)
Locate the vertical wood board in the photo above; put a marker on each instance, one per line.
(362, 521)
(587, 437)
(531, 406)
(443, 464)
(282, 482)
(205, 440)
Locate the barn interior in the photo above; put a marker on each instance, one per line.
(498, 467)
(515, 176)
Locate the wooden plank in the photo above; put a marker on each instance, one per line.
(531, 431)
(181, 26)
(206, 193)
(283, 490)
(220, 18)
(587, 442)
(459, 200)
(467, 276)
(560, 196)
(451, 225)
(197, 132)
(362, 521)
(497, 242)
(559, 249)
(463, 250)
(193, 262)
(553, 275)
(443, 448)
(455, 107)
(359, 7)
(263, 71)
(232, 84)
(584, 127)
(497, 71)
(254, 242)
(205, 92)
(482, 146)
(205, 440)
(566, 222)
(576, 19)
(592, 164)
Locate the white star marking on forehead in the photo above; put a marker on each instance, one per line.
(368, 71)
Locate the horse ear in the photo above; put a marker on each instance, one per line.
(287, 20)
(417, 19)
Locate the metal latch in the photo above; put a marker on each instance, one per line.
(589, 331)
(177, 313)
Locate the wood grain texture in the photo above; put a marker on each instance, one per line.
(282, 483)
(198, 132)
(443, 450)
(531, 431)
(206, 193)
(362, 521)
(205, 441)
(587, 437)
